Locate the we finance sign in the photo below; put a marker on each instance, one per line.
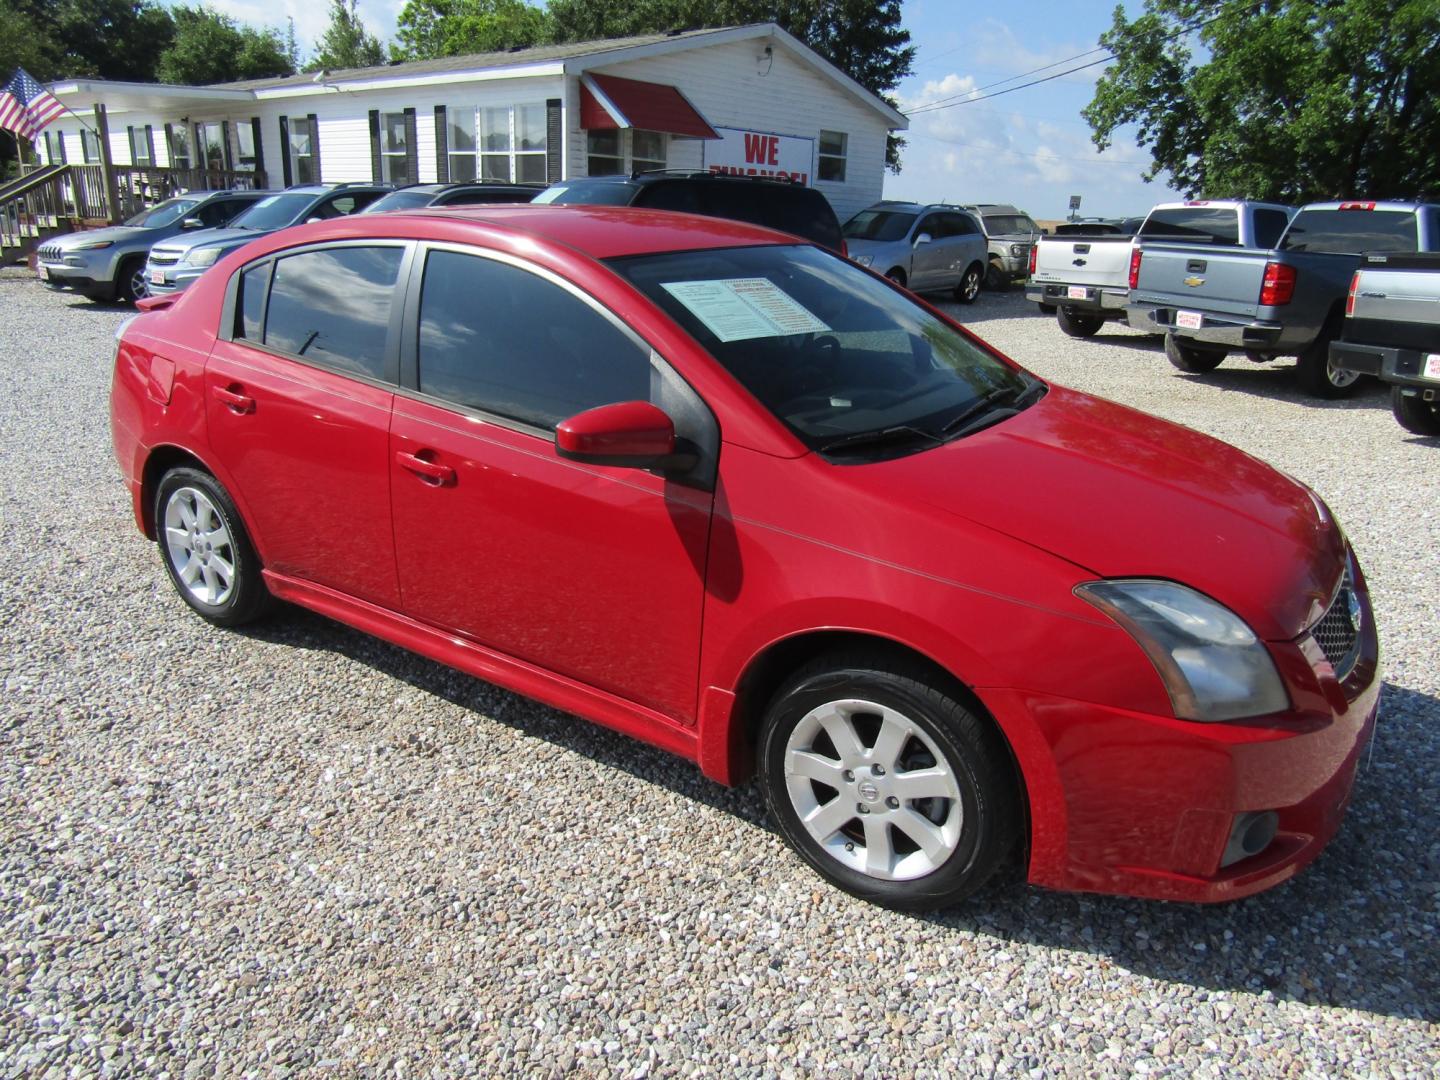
(760, 153)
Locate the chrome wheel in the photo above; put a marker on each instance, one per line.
(1339, 377)
(138, 286)
(199, 546)
(873, 789)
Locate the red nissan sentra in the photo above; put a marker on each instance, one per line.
(744, 500)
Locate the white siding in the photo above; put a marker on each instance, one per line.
(734, 87)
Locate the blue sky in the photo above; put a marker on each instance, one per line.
(1030, 147)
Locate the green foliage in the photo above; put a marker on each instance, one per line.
(1290, 100)
(433, 28)
(108, 39)
(346, 43)
(209, 48)
(863, 38)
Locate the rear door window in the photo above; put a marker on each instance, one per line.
(1349, 232)
(332, 307)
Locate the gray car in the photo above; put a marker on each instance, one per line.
(173, 265)
(109, 264)
(926, 248)
(1010, 234)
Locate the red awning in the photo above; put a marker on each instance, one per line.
(608, 102)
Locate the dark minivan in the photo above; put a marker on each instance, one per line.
(775, 204)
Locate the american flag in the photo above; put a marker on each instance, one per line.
(26, 106)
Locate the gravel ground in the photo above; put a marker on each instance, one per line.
(297, 850)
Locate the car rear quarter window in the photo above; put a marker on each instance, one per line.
(1349, 232)
(332, 306)
(1269, 225)
(1194, 224)
(502, 340)
(253, 285)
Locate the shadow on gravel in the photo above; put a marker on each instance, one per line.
(1356, 929)
(1276, 380)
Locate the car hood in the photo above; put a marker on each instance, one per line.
(212, 238)
(116, 234)
(1123, 494)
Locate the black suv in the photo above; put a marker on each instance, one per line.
(460, 194)
(776, 204)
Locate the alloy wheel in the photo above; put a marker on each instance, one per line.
(199, 546)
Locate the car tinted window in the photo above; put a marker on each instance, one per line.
(803, 212)
(1198, 224)
(1350, 232)
(883, 225)
(401, 200)
(933, 225)
(480, 195)
(684, 198)
(831, 351)
(1269, 224)
(604, 193)
(333, 306)
(959, 225)
(1008, 224)
(274, 212)
(253, 283)
(502, 340)
(157, 217)
(217, 213)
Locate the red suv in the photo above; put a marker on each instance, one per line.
(740, 498)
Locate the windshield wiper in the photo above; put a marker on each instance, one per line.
(983, 411)
(868, 440)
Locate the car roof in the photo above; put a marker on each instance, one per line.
(601, 232)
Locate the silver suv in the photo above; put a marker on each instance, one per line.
(925, 248)
(1011, 233)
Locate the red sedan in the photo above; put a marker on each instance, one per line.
(740, 498)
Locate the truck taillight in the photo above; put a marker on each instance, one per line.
(1278, 285)
(1350, 296)
(1135, 268)
(1034, 251)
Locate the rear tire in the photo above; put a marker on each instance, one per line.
(886, 783)
(206, 550)
(1191, 359)
(1076, 323)
(969, 287)
(1414, 414)
(1317, 376)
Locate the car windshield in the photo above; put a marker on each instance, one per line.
(1008, 225)
(879, 225)
(603, 193)
(400, 200)
(275, 212)
(844, 360)
(162, 214)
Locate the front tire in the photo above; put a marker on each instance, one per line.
(1414, 413)
(1190, 359)
(969, 287)
(130, 283)
(887, 784)
(996, 280)
(1077, 323)
(205, 549)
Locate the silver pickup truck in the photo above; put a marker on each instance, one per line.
(1288, 300)
(1392, 331)
(1086, 280)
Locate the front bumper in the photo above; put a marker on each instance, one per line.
(82, 279)
(1142, 805)
(1405, 367)
(162, 280)
(1231, 331)
(1101, 301)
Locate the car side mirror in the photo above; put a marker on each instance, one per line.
(634, 434)
(923, 238)
(192, 223)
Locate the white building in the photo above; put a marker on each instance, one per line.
(750, 99)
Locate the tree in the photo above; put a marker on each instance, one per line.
(1292, 100)
(346, 43)
(432, 28)
(210, 48)
(863, 38)
(108, 39)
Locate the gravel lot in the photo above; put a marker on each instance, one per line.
(298, 850)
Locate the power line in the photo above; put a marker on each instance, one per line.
(1012, 78)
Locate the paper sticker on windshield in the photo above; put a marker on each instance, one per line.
(736, 309)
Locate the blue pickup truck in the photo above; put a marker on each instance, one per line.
(1284, 301)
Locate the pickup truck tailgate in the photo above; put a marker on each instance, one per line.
(1089, 260)
(1210, 279)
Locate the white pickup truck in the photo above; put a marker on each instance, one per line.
(1086, 280)
(1392, 331)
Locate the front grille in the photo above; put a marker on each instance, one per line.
(1337, 632)
(50, 253)
(163, 258)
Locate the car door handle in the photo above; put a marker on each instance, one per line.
(231, 396)
(429, 471)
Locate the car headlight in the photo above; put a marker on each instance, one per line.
(94, 245)
(1212, 664)
(1017, 249)
(863, 260)
(204, 256)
